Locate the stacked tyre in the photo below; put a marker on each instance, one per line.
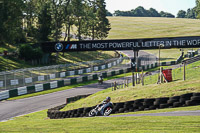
(161, 103)
(194, 100)
(149, 104)
(118, 108)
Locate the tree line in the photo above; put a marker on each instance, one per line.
(190, 13)
(142, 12)
(49, 20)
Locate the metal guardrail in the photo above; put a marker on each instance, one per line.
(191, 60)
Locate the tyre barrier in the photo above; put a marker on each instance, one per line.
(189, 99)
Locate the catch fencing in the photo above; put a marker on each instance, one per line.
(30, 76)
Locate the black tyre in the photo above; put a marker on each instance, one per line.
(150, 100)
(148, 103)
(174, 98)
(135, 110)
(152, 107)
(195, 98)
(162, 106)
(80, 110)
(92, 113)
(145, 109)
(192, 102)
(107, 111)
(121, 110)
(128, 103)
(188, 95)
(162, 100)
(159, 101)
(87, 110)
(196, 94)
(141, 108)
(138, 101)
(170, 101)
(177, 104)
(119, 105)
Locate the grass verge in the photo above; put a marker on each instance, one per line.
(150, 90)
(39, 123)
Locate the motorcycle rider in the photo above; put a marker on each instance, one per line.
(107, 100)
(100, 79)
(105, 108)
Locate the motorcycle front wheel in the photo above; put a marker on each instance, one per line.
(92, 113)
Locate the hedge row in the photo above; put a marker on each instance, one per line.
(189, 99)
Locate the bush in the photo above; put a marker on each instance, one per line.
(27, 52)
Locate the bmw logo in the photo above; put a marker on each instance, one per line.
(59, 47)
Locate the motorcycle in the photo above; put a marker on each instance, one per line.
(102, 110)
(100, 80)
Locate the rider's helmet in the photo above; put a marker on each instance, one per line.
(108, 99)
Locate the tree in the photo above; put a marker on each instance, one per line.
(30, 12)
(191, 13)
(91, 20)
(68, 18)
(11, 21)
(141, 12)
(44, 21)
(166, 14)
(103, 26)
(57, 18)
(108, 13)
(197, 8)
(153, 12)
(78, 11)
(181, 14)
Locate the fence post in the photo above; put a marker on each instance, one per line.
(133, 79)
(142, 78)
(136, 78)
(5, 80)
(161, 76)
(184, 73)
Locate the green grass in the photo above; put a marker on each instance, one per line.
(150, 90)
(39, 123)
(144, 27)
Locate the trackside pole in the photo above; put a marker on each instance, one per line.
(184, 73)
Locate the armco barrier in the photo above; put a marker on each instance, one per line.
(56, 84)
(189, 99)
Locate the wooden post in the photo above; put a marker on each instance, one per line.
(136, 77)
(142, 78)
(133, 79)
(161, 76)
(184, 71)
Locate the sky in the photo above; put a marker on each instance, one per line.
(171, 6)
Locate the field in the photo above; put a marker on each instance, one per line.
(144, 27)
(38, 123)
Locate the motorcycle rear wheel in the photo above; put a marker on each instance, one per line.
(107, 111)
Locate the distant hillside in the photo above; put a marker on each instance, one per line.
(151, 27)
